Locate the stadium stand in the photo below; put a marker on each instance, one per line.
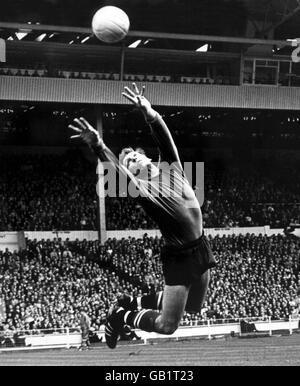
(87, 75)
(58, 192)
(46, 284)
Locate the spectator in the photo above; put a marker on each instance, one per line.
(58, 193)
(46, 285)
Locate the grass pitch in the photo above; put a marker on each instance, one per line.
(262, 351)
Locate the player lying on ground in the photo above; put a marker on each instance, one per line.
(186, 257)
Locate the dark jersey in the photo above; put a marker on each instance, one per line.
(167, 198)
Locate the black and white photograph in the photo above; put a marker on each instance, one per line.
(150, 186)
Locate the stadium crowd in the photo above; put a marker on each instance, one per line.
(46, 285)
(58, 192)
(47, 193)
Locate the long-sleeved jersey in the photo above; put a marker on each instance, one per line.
(167, 198)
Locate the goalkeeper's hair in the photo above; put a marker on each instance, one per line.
(128, 150)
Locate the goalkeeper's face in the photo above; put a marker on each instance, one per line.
(138, 164)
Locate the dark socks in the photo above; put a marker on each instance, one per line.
(139, 312)
(144, 319)
(152, 301)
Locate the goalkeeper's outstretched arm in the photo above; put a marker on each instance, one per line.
(159, 130)
(86, 132)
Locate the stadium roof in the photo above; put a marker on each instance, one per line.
(220, 26)
(206, 17)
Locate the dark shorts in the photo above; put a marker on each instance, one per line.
(184, 265)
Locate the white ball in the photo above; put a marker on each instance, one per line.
(110, 24)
